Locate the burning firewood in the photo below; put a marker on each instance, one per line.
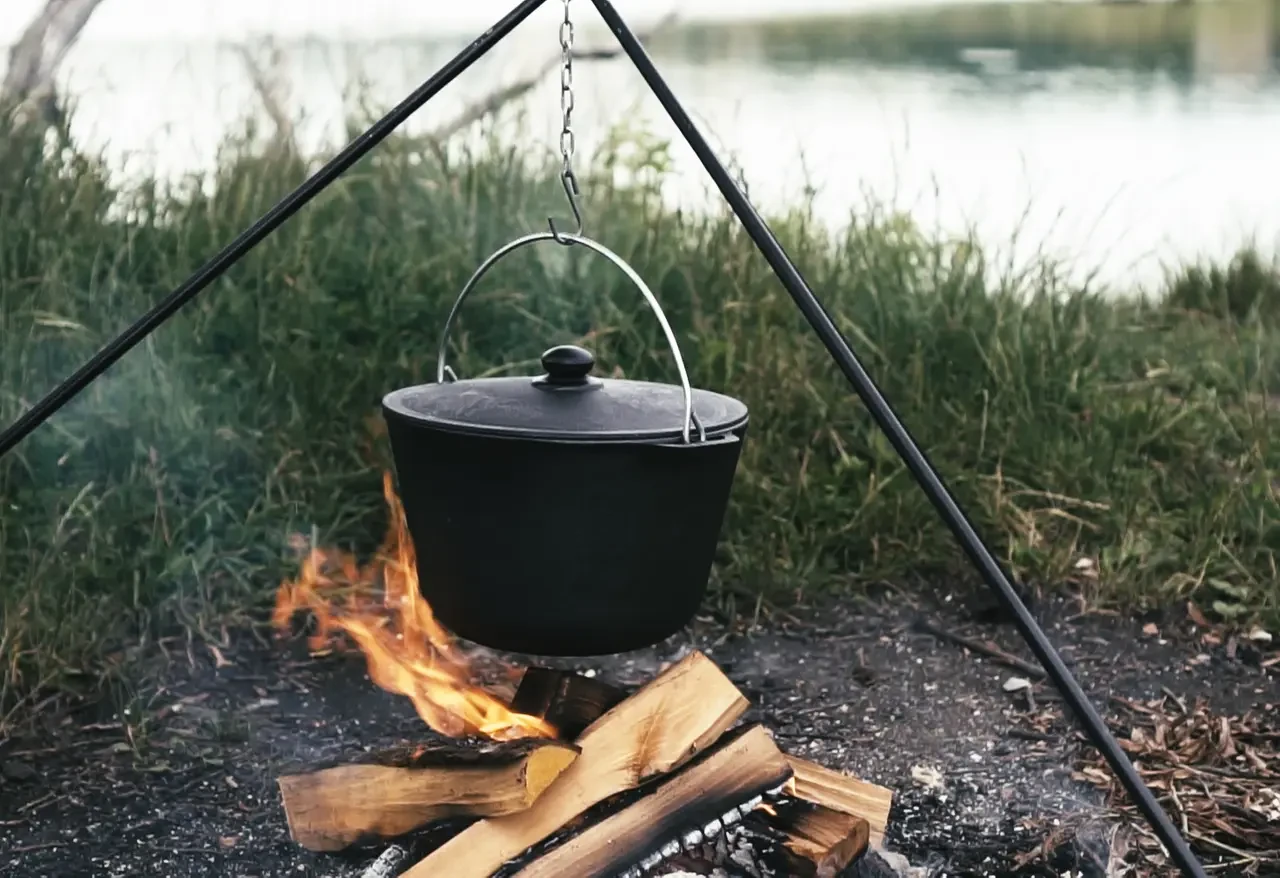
(648, 779)
(392, 792)
(726, 808)
(572, 702)
(676, 716)
(740, 768)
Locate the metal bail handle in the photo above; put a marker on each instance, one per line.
(443, 371)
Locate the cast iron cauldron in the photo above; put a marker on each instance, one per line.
(563, 514)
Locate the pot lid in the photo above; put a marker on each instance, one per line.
(566, 403)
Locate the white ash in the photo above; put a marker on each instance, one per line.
(717, 842)
(387, 865)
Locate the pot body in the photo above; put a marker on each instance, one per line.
(562, 548)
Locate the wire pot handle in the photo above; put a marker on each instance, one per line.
(444, 372)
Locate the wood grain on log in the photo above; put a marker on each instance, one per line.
(824, 842)
(744, 766)
(663, 725)
(392, 792)
(840, 792)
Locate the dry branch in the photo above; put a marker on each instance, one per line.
(397, 791)
(840, 792)
(741, 768)
(34, 59)
(988, 649)
(271, 85)
(666, 723)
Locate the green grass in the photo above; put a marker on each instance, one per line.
(1135, 434)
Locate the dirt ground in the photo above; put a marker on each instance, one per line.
(179, 781)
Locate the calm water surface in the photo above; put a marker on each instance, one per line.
(1120, 136)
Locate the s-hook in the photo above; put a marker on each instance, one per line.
(570, 183)
(567, 141)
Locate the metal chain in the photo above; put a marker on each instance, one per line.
(567, 140)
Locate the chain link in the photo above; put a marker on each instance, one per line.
(567, 140)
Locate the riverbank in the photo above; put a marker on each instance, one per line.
(1180, 40)
(1117, 449)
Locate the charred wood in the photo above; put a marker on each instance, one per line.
(567, 700)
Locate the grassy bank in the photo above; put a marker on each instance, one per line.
(1135, 435)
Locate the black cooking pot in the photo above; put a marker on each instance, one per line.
(563, 514)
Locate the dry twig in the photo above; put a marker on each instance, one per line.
(990, 650)
(34, 59)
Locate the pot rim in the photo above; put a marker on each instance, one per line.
(393, 406)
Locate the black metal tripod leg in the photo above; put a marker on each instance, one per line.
(268, 223)
(925, 474)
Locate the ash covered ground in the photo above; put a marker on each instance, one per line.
(179, 779)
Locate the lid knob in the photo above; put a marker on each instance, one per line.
(567, 366)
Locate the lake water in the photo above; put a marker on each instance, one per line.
(1121, 136)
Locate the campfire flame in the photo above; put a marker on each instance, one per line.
(379, 608)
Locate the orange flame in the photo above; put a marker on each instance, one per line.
(379, 608)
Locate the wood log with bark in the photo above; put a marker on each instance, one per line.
(392, 792)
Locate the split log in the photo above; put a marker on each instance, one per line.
(840, 792)
(392, 792)
(567, 700)
(819, 842)
(666, 723)
(742, 767)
